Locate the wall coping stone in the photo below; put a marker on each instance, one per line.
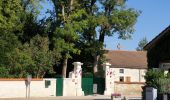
(20, 79)
(130, 82)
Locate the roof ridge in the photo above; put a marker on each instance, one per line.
(126, 51)
(156, 38)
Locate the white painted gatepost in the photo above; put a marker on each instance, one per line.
(77, 73)
(72, 85)
(109, 79)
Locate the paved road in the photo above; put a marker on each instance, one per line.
(64, 98)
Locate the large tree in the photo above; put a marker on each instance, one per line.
(21, 52)
(106, 18)
(84, 25)
(10, 26)
(43, 58)
(69, 25)
(73, 26)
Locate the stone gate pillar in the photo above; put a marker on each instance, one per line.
(109, 79)
(78, 75)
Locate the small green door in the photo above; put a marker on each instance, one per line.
(100, 85)
(59, 87)
(87, 86)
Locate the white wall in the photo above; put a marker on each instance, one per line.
(69, 87)
(136, 75)
(17, 88)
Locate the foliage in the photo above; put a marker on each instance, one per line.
(4, 72)
(74, 29)
(151, 77)
(70, 24)
(158, 79)
(141, 44)
(164, 86)
(18, 61)
(41, 56)
(105, 18)
(21, 52)
(10, 11)
(33, 58)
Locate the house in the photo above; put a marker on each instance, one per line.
(158, 51)
(129, 69)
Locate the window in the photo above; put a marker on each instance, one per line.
(128, 79)
(121, 70)
(121, 79)
(47, 83)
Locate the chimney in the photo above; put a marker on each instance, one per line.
(119, 46)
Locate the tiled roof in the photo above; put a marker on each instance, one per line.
(127, 59)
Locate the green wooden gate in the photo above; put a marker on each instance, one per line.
(100, 85)
(87, 86)
(59, 87)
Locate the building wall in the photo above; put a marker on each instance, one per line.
(136, 75)
(129, 89)
(159, 53)
(17, 88)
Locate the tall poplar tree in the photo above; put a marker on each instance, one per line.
(69, 24)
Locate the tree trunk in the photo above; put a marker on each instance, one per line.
(71, 5)
(63, 12)
(56, 6)
(102, 35)
(64, 70)
(97, 56)
(37, 74)
(95, 64)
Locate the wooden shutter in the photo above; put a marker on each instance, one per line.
(128, 79)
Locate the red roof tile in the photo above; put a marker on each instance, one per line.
(127, 59)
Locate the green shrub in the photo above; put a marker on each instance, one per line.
(152, 76)
(4, 72)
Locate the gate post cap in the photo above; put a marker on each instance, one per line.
(77, 63)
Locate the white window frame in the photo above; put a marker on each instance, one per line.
(165, 67)
(121, 70)
(120, 78)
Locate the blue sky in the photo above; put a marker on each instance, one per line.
(155, 17)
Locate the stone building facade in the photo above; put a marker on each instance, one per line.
(129, 68)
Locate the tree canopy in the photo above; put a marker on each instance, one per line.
(141, 44)
(74, 30)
